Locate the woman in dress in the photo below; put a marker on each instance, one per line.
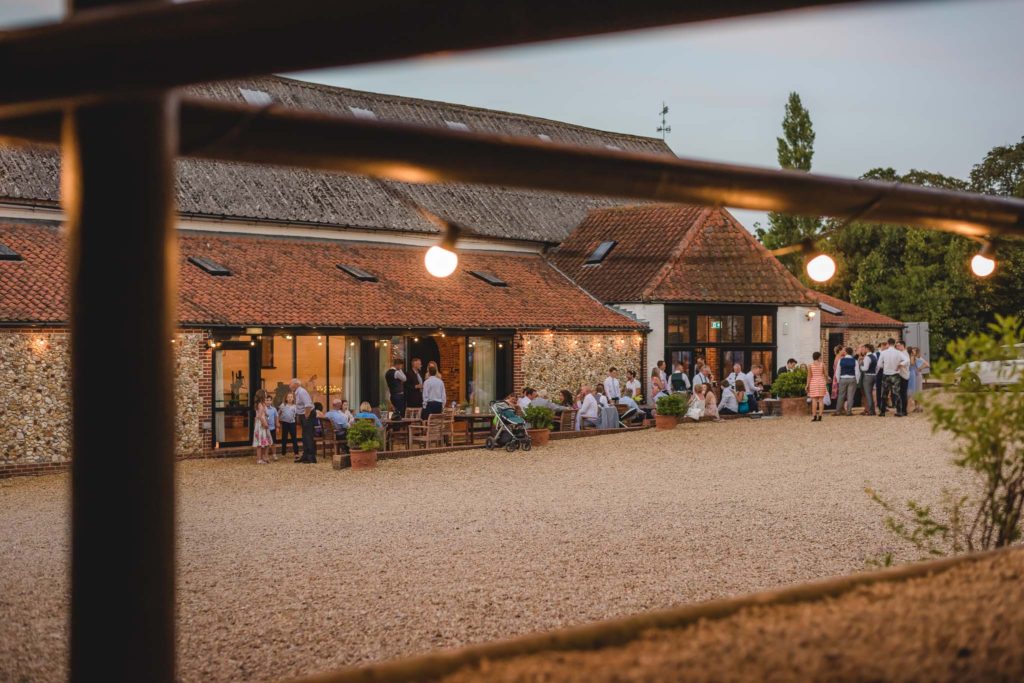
(816, 386)
(916, 382)
(657, 386)
(696, 409)
(261, 440)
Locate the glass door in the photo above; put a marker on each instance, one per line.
(232, 394)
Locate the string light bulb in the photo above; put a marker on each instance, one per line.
(983, 264)
(821, 268)
(440, 262)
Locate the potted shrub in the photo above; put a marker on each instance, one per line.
(790, 389)
(363, 442)
(670, 410)
(539, 418)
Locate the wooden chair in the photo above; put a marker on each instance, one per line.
(449, 426)
(430, 434)
(567, 420)
(329, 439)
(413, 413)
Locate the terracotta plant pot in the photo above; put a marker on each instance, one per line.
(364, 460)
(797, 405)
(664, 422)
(539, 437)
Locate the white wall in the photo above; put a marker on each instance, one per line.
(654, 316)
(797, 337)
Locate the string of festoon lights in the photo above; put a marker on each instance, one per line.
(441, 260)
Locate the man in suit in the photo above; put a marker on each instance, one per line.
(414, 385)
(395, 379)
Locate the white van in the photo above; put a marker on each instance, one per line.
(993, 372)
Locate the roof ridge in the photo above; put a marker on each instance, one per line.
(670, 262)
(326, 88)
(776, 263)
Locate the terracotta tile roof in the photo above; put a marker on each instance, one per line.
(318, 198)
(676, 253)
(853, 316)
(296, 282)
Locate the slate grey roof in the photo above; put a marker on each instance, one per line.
(246, 191)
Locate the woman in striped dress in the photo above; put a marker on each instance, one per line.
(817, 385)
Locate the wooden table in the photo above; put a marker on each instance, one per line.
(472, 420)
(391, 425)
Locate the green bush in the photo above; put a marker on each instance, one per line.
(790, 384)
(539, 417)
(673, 404)
(363, 436)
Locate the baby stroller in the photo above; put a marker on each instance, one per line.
(509, 429)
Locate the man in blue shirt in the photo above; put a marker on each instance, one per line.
(338, 418)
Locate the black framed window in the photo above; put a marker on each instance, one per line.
(721, 335)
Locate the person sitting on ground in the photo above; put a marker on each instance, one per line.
(529, 393)
(728, 405)
(632, 383)
(541, 400)
(710, 403)
(366, 413)
(742, 397)
(789, 366)
(696, 408)
(588, 415)
(337, 416)
(678, 381)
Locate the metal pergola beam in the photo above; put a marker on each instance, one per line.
(289, 137)
(108, 52)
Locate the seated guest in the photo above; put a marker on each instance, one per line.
(710, 403)
(541, 400)
(789, 366)
(696, 409)
(588, 408)
(366, 413)
(657, 385)
(337, 415)
(567, 399)
(434, 396)
(529, 393)
(632, 383)
(742, 398)
(602, 400)
(346, 411)
(627, 400)
(728, 405)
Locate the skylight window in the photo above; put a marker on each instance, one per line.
(830, 309)
(601, 252)
(208, 265)
(457, 125)
(544, 136)
(490, 278)
(361, 113)
(357, 273)
(257, 98)
(8, 254)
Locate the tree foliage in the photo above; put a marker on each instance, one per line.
(795, 152)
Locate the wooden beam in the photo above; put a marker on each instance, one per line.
(289, 137)
(112, 51)
(118, 182)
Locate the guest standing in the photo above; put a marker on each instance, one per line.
(868, 372)
(917, 367)
(434, 396)
(847, 382)
(395, 379)
(306, 414)
(260, 432)
(612, 386)
(816, 386)
(272, 423)
(288, 414)
(414, 385)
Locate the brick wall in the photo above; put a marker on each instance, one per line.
(453, 361)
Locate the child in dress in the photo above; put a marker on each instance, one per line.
(261, 440)
(710, 403)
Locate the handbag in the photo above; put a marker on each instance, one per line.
(827, 399)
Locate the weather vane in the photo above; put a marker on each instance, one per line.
(664, 128)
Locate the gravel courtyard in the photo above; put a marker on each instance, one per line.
(291, 569)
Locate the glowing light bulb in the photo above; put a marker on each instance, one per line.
(440, 262)
(821, 268)
(982, 266)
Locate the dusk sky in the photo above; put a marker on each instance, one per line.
(926, 85)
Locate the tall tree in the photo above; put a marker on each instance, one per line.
(795, 151)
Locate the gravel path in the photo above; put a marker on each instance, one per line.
(965, 624)
(291, 569)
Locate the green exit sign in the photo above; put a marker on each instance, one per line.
(716, 324)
